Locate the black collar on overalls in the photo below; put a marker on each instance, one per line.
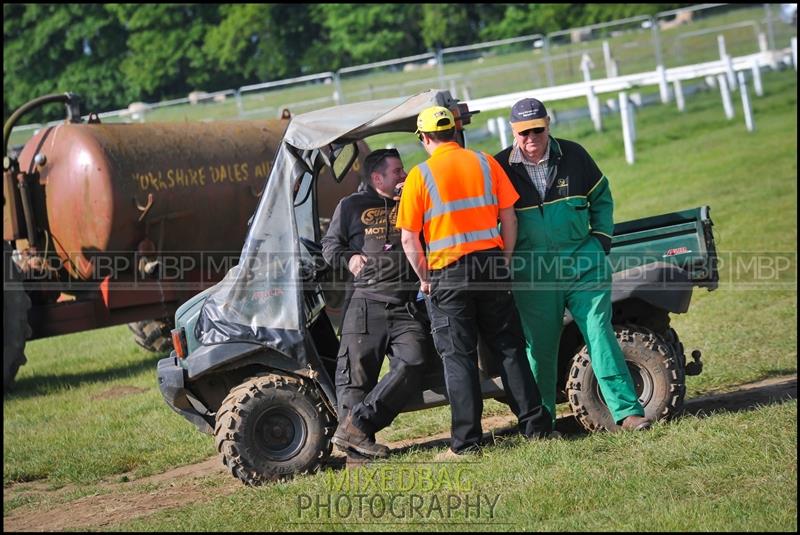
(554, 160)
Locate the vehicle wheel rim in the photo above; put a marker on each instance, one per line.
(642, 383)
(281, 433)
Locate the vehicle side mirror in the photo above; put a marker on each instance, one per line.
(343, 160)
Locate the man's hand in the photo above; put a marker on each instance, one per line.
(398, 190)
(508, 231)
(425, 287)
(356, 264)
(416, 257)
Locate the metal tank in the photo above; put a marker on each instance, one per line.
(180, 189)
(113, 189)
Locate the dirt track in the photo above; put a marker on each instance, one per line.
(117, 502)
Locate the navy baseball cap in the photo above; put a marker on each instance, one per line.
(526, 114)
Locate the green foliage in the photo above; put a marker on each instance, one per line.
(363, 33)
(59, 48)
(526, 19)
(445, 25)
(112, 54)
(165, 47)
(249, 36)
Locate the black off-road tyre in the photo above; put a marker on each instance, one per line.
(658, 377)
(272, 427)
(154, 335)
(678, 352)
(16, 329)
(660, 324)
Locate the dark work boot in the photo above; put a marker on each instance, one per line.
(635, 423)
(350, 438)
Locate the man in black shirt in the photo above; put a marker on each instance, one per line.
(381, 317)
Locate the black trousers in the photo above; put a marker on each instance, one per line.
(471, 296)
(370, 330)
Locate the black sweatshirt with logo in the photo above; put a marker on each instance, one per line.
(360, 226)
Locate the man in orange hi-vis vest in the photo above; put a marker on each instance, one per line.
(455, 199)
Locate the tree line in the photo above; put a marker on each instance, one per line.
(113, 54)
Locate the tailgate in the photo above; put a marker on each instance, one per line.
(684, 239)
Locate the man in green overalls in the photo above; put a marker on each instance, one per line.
(565, 215)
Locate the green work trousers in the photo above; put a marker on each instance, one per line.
(545, 283)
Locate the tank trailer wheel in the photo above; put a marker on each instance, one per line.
(272, 427)
(657, 375)
(154, 335)
(16, 329)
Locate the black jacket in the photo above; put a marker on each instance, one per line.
(360, 225)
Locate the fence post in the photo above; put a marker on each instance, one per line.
(770, 29)
(586, 66)
(663, 87)
(611, 64)
(338, 95)
(440, 67)
(625, 115)
(656, 41)
(726, 96)
(239, 105)
(594, 102)
(723, 55)
(757, 79)
(748, 111)
(594, 108)
(501, 129)
(548, 62)
(762, 42)
(679, 95)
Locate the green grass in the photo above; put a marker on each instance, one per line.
(87, 408)
(714, 473)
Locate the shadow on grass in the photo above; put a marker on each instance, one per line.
(41, 385)
(748, 397)
(495, 438)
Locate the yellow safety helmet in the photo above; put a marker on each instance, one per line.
(435, 119)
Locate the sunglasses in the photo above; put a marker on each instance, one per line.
(529, 131)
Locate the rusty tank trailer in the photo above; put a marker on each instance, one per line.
(105, 224)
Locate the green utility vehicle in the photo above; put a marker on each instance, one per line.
(255, 355)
